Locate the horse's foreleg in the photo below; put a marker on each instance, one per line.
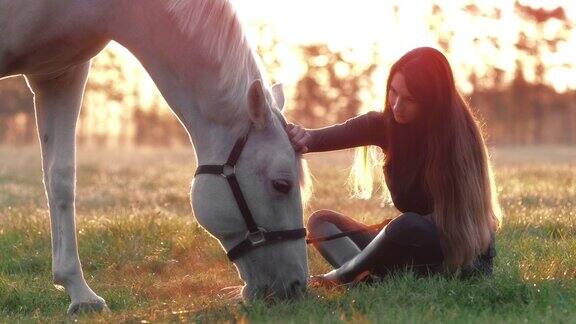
(57, 102)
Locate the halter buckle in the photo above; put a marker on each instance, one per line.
(228, 170)
(256, 238)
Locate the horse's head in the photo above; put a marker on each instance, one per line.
(269, 173)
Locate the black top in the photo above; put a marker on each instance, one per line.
(405, 180)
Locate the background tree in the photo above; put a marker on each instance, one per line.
(332, 88)
(533, 47)
(515, 100)
(17, 123)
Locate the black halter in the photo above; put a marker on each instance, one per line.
(256, 236)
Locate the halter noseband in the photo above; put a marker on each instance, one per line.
(256, 236)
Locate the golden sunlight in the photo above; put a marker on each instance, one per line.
(480, 39)
(393, 27)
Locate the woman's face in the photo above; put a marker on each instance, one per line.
(404, 106)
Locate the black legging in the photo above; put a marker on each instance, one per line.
(410, 240)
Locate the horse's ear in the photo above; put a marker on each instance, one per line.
(278, 93)
(257, 107)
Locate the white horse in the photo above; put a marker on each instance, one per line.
(198, 56)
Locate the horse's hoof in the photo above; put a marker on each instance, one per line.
(90, 306)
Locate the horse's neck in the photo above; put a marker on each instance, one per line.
(186, 80)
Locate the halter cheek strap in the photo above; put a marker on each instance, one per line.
(256, 236)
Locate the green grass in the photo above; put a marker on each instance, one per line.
(142, 251)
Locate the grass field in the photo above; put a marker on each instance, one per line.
(142, 251)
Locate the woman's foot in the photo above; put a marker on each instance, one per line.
(331, 280)
(327, 280)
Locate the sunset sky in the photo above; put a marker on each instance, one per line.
(365, 25)
(373, 22)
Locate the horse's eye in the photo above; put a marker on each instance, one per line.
(282, 186)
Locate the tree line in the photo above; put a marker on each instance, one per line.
(332, 89)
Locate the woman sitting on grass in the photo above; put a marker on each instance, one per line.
(436, 169)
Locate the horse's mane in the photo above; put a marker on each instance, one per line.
(215, 28)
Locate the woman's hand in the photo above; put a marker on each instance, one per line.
(299, 137)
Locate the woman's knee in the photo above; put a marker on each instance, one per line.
(410, 214)
(409, 224)
(320, 217)
(408, 218)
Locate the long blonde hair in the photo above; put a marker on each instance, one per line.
(457, 170)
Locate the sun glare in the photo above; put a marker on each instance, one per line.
(392, 28)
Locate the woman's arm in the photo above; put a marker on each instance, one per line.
(366, 129)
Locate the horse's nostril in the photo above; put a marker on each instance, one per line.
(294, 289)
(257, 292)
(297, 288)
